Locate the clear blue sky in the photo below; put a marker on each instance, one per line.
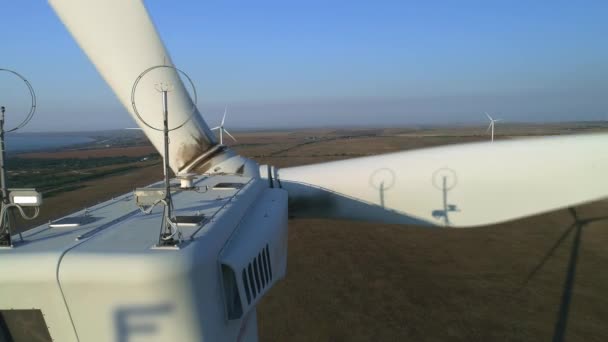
(315, 63)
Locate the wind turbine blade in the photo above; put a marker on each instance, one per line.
(498, 120)
(488, 115)
(448, 185)
(230, 135)
(489, 126)
(215, 128)
(121, 41)
(224, 117)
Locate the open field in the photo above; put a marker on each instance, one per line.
(131, 151)
(536, 279)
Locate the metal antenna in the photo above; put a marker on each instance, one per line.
(166, 236)
(148, 198)
(2, 158)
(15, 198)
(5, 219)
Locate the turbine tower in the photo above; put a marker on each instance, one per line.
(222, 129)
(491, 126)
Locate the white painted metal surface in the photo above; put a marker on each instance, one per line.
(121, 41)
(256, 254)
(105, 281)
(485, 183)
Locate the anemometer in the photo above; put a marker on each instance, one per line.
(148, 198)
(15, 198)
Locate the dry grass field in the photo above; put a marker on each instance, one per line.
(133, 151)
(537, 279)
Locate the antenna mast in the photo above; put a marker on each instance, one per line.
(14, 198)
(166, 235)
(148, 197)
(2, 158)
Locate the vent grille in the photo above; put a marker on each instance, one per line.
(228, 186)
(257, 275)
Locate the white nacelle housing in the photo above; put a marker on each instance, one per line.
(103, 278)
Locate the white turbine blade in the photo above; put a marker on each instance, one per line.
(224, 117)
(230, 135)
(498, 120)
(214, 128)
(489, 126)
(121, 41)
(482, 183)
(488, 115)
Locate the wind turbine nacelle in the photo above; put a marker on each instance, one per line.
(228, 162)
(247, 264)
(100, 276)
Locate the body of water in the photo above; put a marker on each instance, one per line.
(23, 142)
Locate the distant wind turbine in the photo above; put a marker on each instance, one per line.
(491, 127)
(222, 129)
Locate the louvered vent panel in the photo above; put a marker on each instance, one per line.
(257, 275)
